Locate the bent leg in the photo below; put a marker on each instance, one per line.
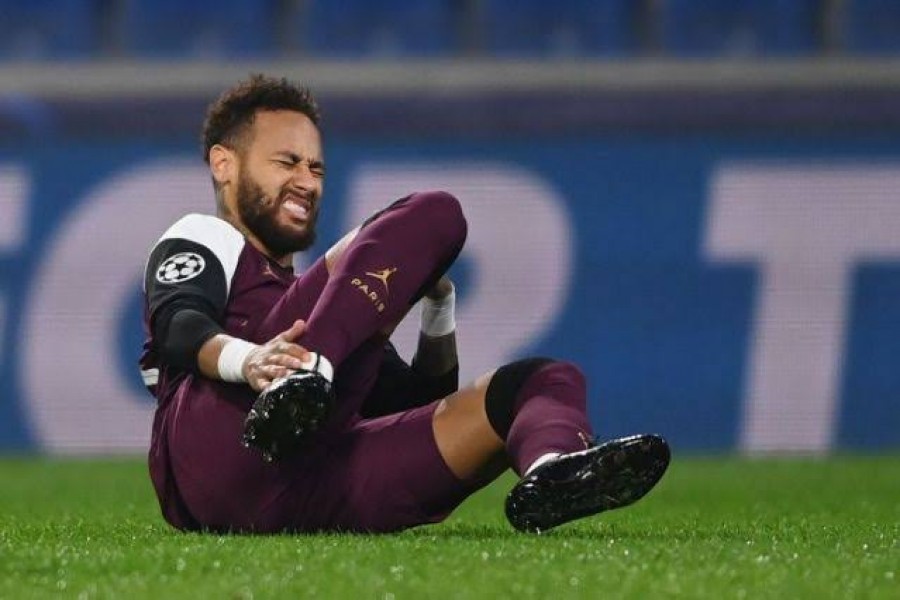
(220, 484)
(522, 411)
(381, 475)
(537, 409)
(382, 271)
(415, 467)
(297, 302)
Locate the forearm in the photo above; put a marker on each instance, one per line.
(208, 356)
(236, 360)
(436, 355)
(180, 331)
(436, 352)
(436, 363)
(225, 357)
(192, 340)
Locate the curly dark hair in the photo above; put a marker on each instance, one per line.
(230, 117)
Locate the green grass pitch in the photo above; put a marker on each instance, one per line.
(714, 528)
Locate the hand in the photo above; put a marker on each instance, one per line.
(276, 358)
(441, 289)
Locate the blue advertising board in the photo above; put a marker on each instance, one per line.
(734, 293)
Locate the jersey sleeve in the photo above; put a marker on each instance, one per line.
(187, 281)
(186, 271)
(193, 261)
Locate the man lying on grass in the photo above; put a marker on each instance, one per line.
(283, 407)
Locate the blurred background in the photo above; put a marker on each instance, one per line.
(697, 201)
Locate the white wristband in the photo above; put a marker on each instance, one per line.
(231, 359)
(437, 316)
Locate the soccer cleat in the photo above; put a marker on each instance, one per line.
(287, 413)
(611, 475)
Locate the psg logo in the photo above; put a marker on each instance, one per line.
(180, 267)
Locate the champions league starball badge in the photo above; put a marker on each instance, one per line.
(180, 267)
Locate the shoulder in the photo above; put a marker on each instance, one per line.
(201, 238)
(219, 236)
(212, 232)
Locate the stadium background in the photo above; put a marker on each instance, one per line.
(694, 201)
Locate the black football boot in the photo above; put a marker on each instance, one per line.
(570, 486)
(288, 412)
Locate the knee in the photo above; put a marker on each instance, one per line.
(560, 371)
(505, 388)
(443, 216)
(558, 378)
(568, 378)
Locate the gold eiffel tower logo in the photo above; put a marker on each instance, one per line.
(383, 276)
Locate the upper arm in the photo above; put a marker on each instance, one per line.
(192, 266)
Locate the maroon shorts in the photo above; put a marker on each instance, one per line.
(375, 475)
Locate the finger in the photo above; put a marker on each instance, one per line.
(296, 351)
(287, 361)
(278, 372)
(258, 384)
(270, 372)
(294, 332)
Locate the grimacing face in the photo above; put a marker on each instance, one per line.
(279, 182)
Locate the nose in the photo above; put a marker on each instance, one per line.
(303, 178)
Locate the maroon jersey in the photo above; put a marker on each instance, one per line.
(203, 262)
(203, 476)
(200, 263)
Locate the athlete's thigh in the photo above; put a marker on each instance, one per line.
(223, 483)
(297, 302)
(382, 475)
(301, 297)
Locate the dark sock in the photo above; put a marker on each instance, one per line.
(550, 415)
(388, 266)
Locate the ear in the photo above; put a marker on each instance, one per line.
(222, 164)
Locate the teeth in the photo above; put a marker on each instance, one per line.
(296, 209)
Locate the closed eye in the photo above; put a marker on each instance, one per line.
(289, 160)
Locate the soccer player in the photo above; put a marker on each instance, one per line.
(231, 327)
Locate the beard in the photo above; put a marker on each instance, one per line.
(259, 213)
